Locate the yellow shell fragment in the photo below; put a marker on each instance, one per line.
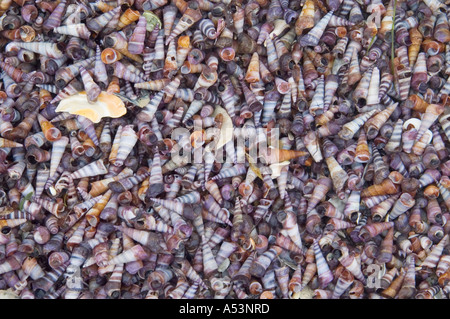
(254, 168)
(152, 20)
(226, 131)
(107, 105)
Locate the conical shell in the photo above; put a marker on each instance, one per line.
(92, 169)
(313, 36)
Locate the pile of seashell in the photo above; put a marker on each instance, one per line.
(333, 117)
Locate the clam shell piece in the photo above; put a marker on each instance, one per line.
(107, 105)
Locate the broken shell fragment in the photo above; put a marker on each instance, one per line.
(107, 105)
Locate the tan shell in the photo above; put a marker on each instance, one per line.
(226, 131)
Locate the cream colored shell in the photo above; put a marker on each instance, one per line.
(107, 105)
